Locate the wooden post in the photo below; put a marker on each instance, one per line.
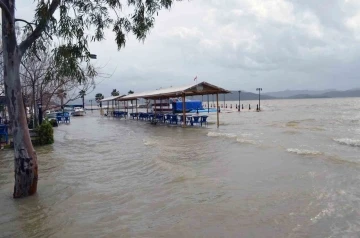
(184, 110)
(160, 105)
(107, 111)
(137, 115)
(217, 110)
(132, 107)
(154, 107)
(208, 103)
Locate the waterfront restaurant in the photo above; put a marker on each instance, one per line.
(160, 95)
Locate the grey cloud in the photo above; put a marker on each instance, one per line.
(277, 44)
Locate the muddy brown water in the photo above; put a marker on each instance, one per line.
(289, 171)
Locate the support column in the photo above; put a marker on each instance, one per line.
(137, 114)
(154, 107)
(217, 110)
(161, 112)
(208, 103)
(112, 108)
(184, 110)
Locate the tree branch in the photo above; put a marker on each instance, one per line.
(39, 28)
(6, 11)
(22, 20)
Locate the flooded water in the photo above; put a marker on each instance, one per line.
(292, 170)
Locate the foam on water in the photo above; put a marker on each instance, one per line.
(218, 134)
(149, 142)
(245, 141)
(348, 141)
(303, 152)
(240, 140)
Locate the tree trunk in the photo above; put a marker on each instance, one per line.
(26, 168)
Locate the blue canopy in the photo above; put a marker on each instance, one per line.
(189, 105)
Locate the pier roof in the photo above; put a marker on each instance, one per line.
(112, 98)
(202, 88)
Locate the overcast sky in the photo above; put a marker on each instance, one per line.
(238, 44)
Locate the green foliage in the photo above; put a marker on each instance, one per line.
(115, 93)
(99, 96)
(131, 92)
(54, 123)
(45, 133)
(82, 93)
(80, 22)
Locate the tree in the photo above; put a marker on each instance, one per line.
(115, 93)
(61, 94)
(131, 92)
(40, 82)
(72, 28)
(99, 96)
(82, 94)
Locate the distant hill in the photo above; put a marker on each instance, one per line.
(288, 94)
(304, 96)
(330, 94)
(297, 93)
(234, 96)
(342, 94)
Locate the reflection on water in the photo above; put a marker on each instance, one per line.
(289, 171)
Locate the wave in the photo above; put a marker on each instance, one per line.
(291, 132)
(348, 141)
(292, 123)
(149, 142)
(304, 152)
(232, 136)
(218, 134)
(244, 141)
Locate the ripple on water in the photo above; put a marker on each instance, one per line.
(348, 142)
(242, 139)
(304, 152)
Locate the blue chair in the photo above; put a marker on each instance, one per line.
(59, 117)
(151, 116)
(143, 116)
(196, 119)
(189, 120)
(134, 115)
(4, 132)
(203, 120)
(174, 119)
(167, 118)
(146, 116)
(182, 119)
(160, 117)
(66, 117)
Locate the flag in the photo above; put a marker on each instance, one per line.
(195, 78)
